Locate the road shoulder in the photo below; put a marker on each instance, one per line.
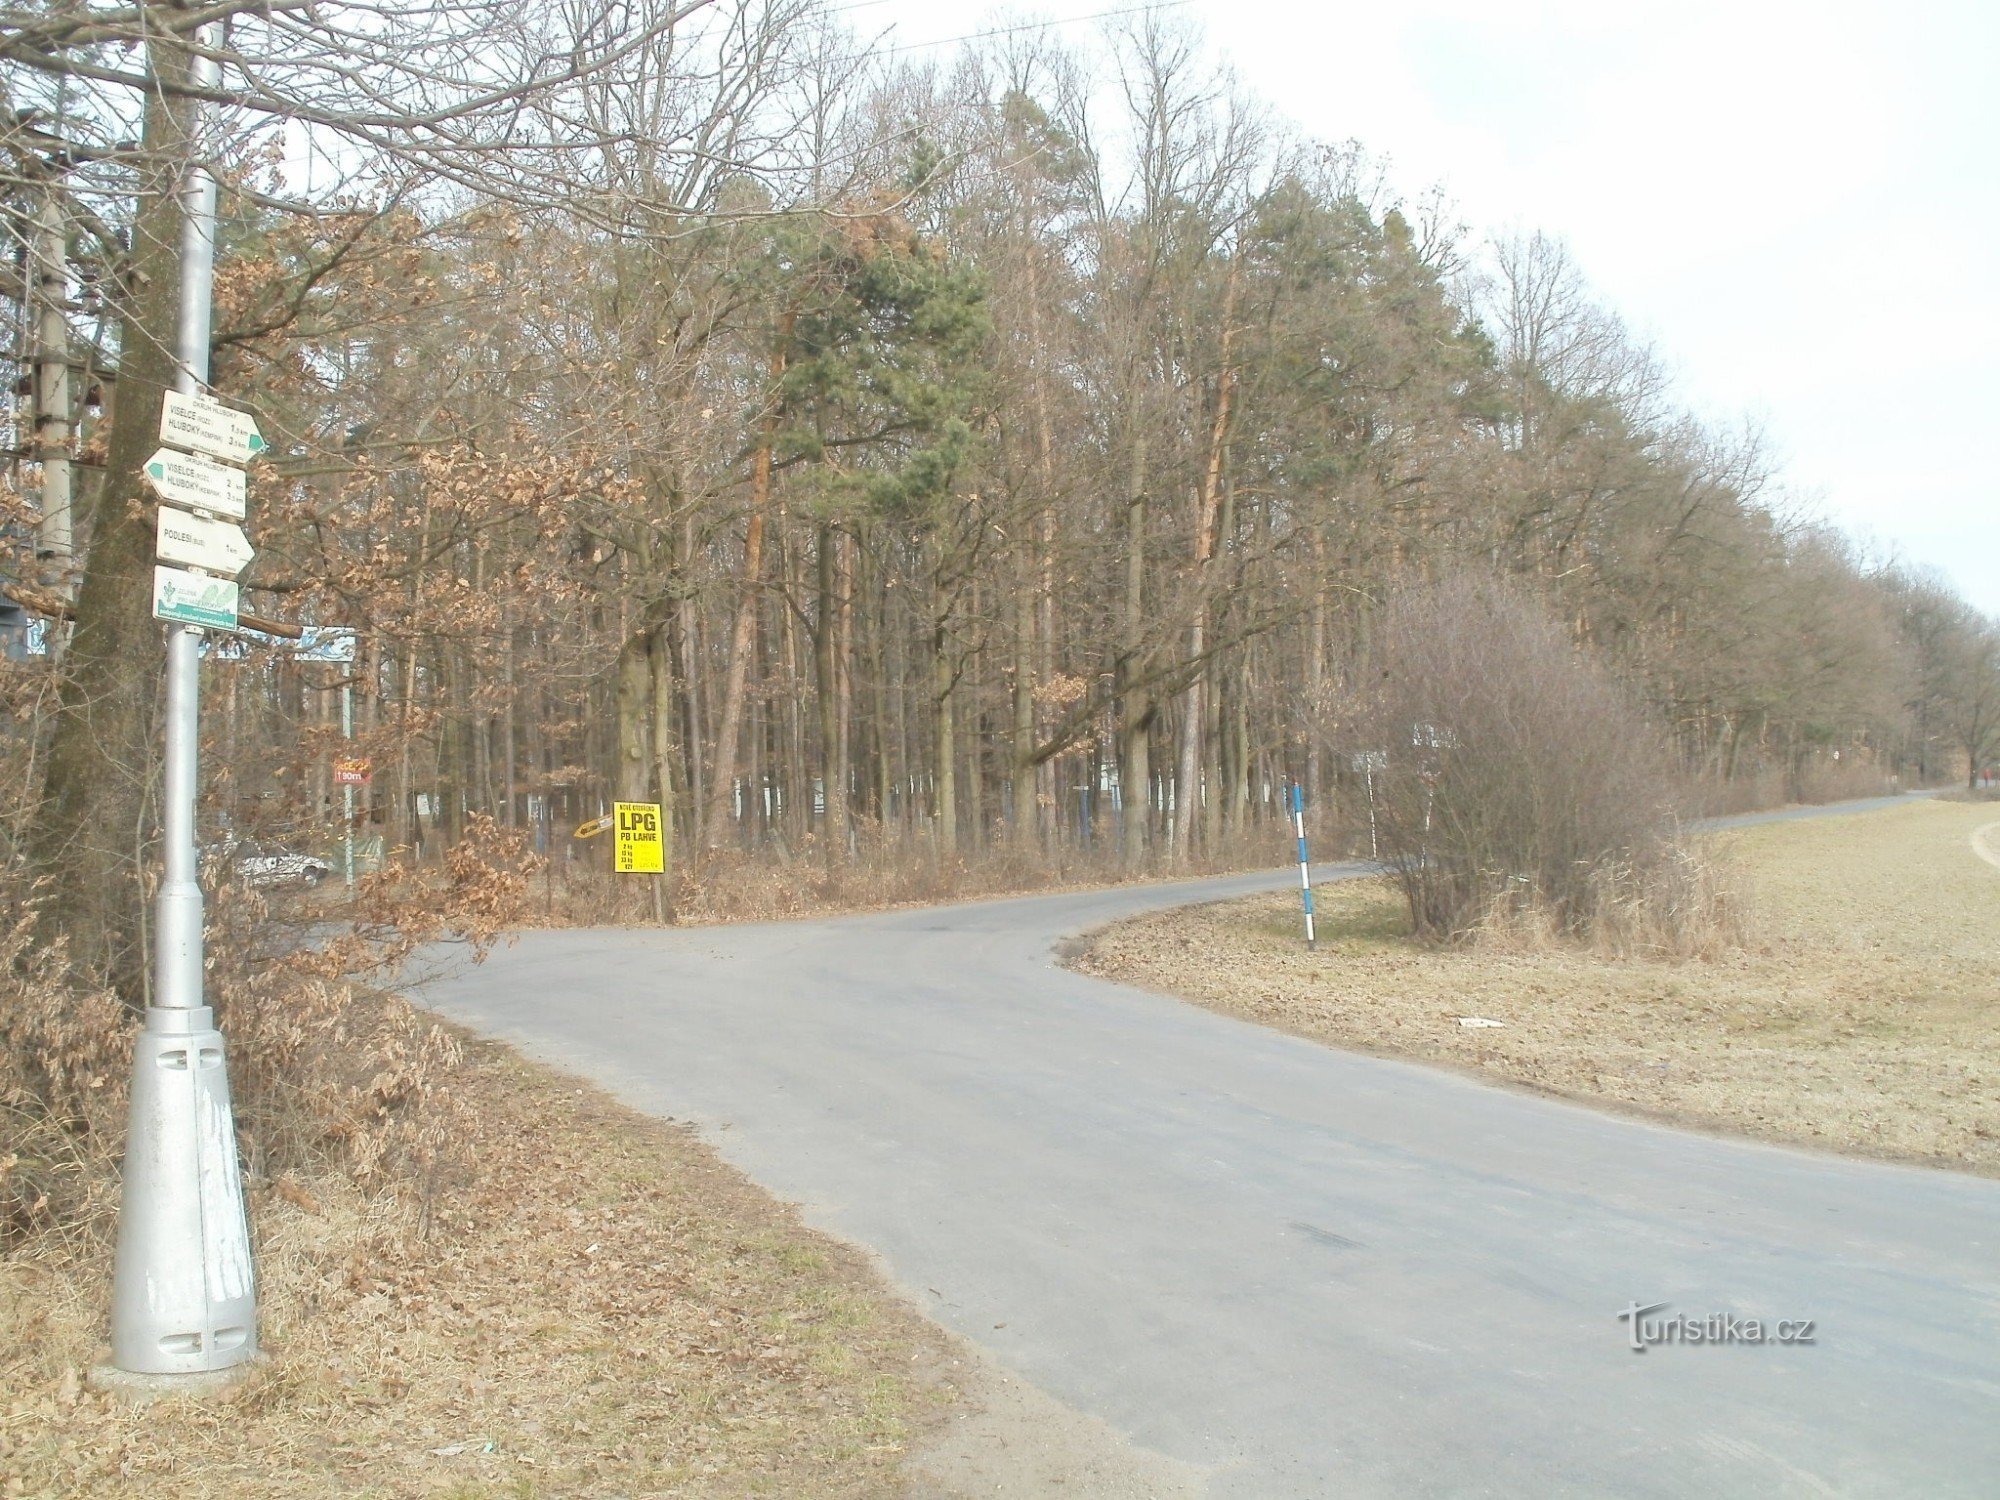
(593, 1303)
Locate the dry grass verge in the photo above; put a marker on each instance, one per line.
(731, 886)
(601, 1307)
(1864, 1016)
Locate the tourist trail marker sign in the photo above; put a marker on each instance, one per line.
(218, 547)
(192, 599)
(184, 540)
(190, 480)
(1298, 802)
(201, 424)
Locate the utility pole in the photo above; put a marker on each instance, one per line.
(347, 785)
(48, 288)
(184, 1299)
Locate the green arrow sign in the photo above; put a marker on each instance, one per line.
(202, 424)
(197, 483)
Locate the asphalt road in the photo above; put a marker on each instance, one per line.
(1307, 1272)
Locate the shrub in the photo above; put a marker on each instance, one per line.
(326, 1073)
(1519, 787)
(65, 1053)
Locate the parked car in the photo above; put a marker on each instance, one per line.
(265, 865)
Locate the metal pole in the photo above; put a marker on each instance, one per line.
(184, 1291)
(1374, 843)
(178, 983)
(347, 788)
(1305, 864)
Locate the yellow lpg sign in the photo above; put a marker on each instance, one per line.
(639, 846)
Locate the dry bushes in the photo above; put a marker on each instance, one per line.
(1520, 790)
(65, 1052)
(326, 1075)
(1686, 903)
(883, 869)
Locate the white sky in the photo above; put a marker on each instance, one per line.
(1796, 204)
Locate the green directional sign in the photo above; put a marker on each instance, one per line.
(191, 599)
(201, 424)
(195, 482)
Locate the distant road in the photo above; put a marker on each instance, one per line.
(1832, 809)
(1307, 1272)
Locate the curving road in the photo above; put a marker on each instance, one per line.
(1302, 1271)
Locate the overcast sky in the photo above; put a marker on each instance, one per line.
(1796, 204)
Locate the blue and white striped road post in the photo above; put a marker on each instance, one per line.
(1305, 864)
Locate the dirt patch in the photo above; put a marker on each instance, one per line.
(602, 1308)
(1006, 1437)
(1864, 1017)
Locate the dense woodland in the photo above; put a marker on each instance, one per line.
(852, 450)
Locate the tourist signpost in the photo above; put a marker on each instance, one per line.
(184, 1289)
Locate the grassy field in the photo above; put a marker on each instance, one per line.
(601, 1308)
(1863, 1015)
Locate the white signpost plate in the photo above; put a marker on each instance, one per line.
(215, 546)
(187, 480)
(190, 599)
(202, 424)
(334, 643)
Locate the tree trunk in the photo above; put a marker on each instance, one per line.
(843, 667)
(660, 658)
(1135, 704)
(1318, 708)
(743, 638)
(826, 672)
(1027, 813)
(96, 822)
(1035, 657)
(1194, 721)
(689, 615)
(946, 747)
(632, 693)
(455, 745)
